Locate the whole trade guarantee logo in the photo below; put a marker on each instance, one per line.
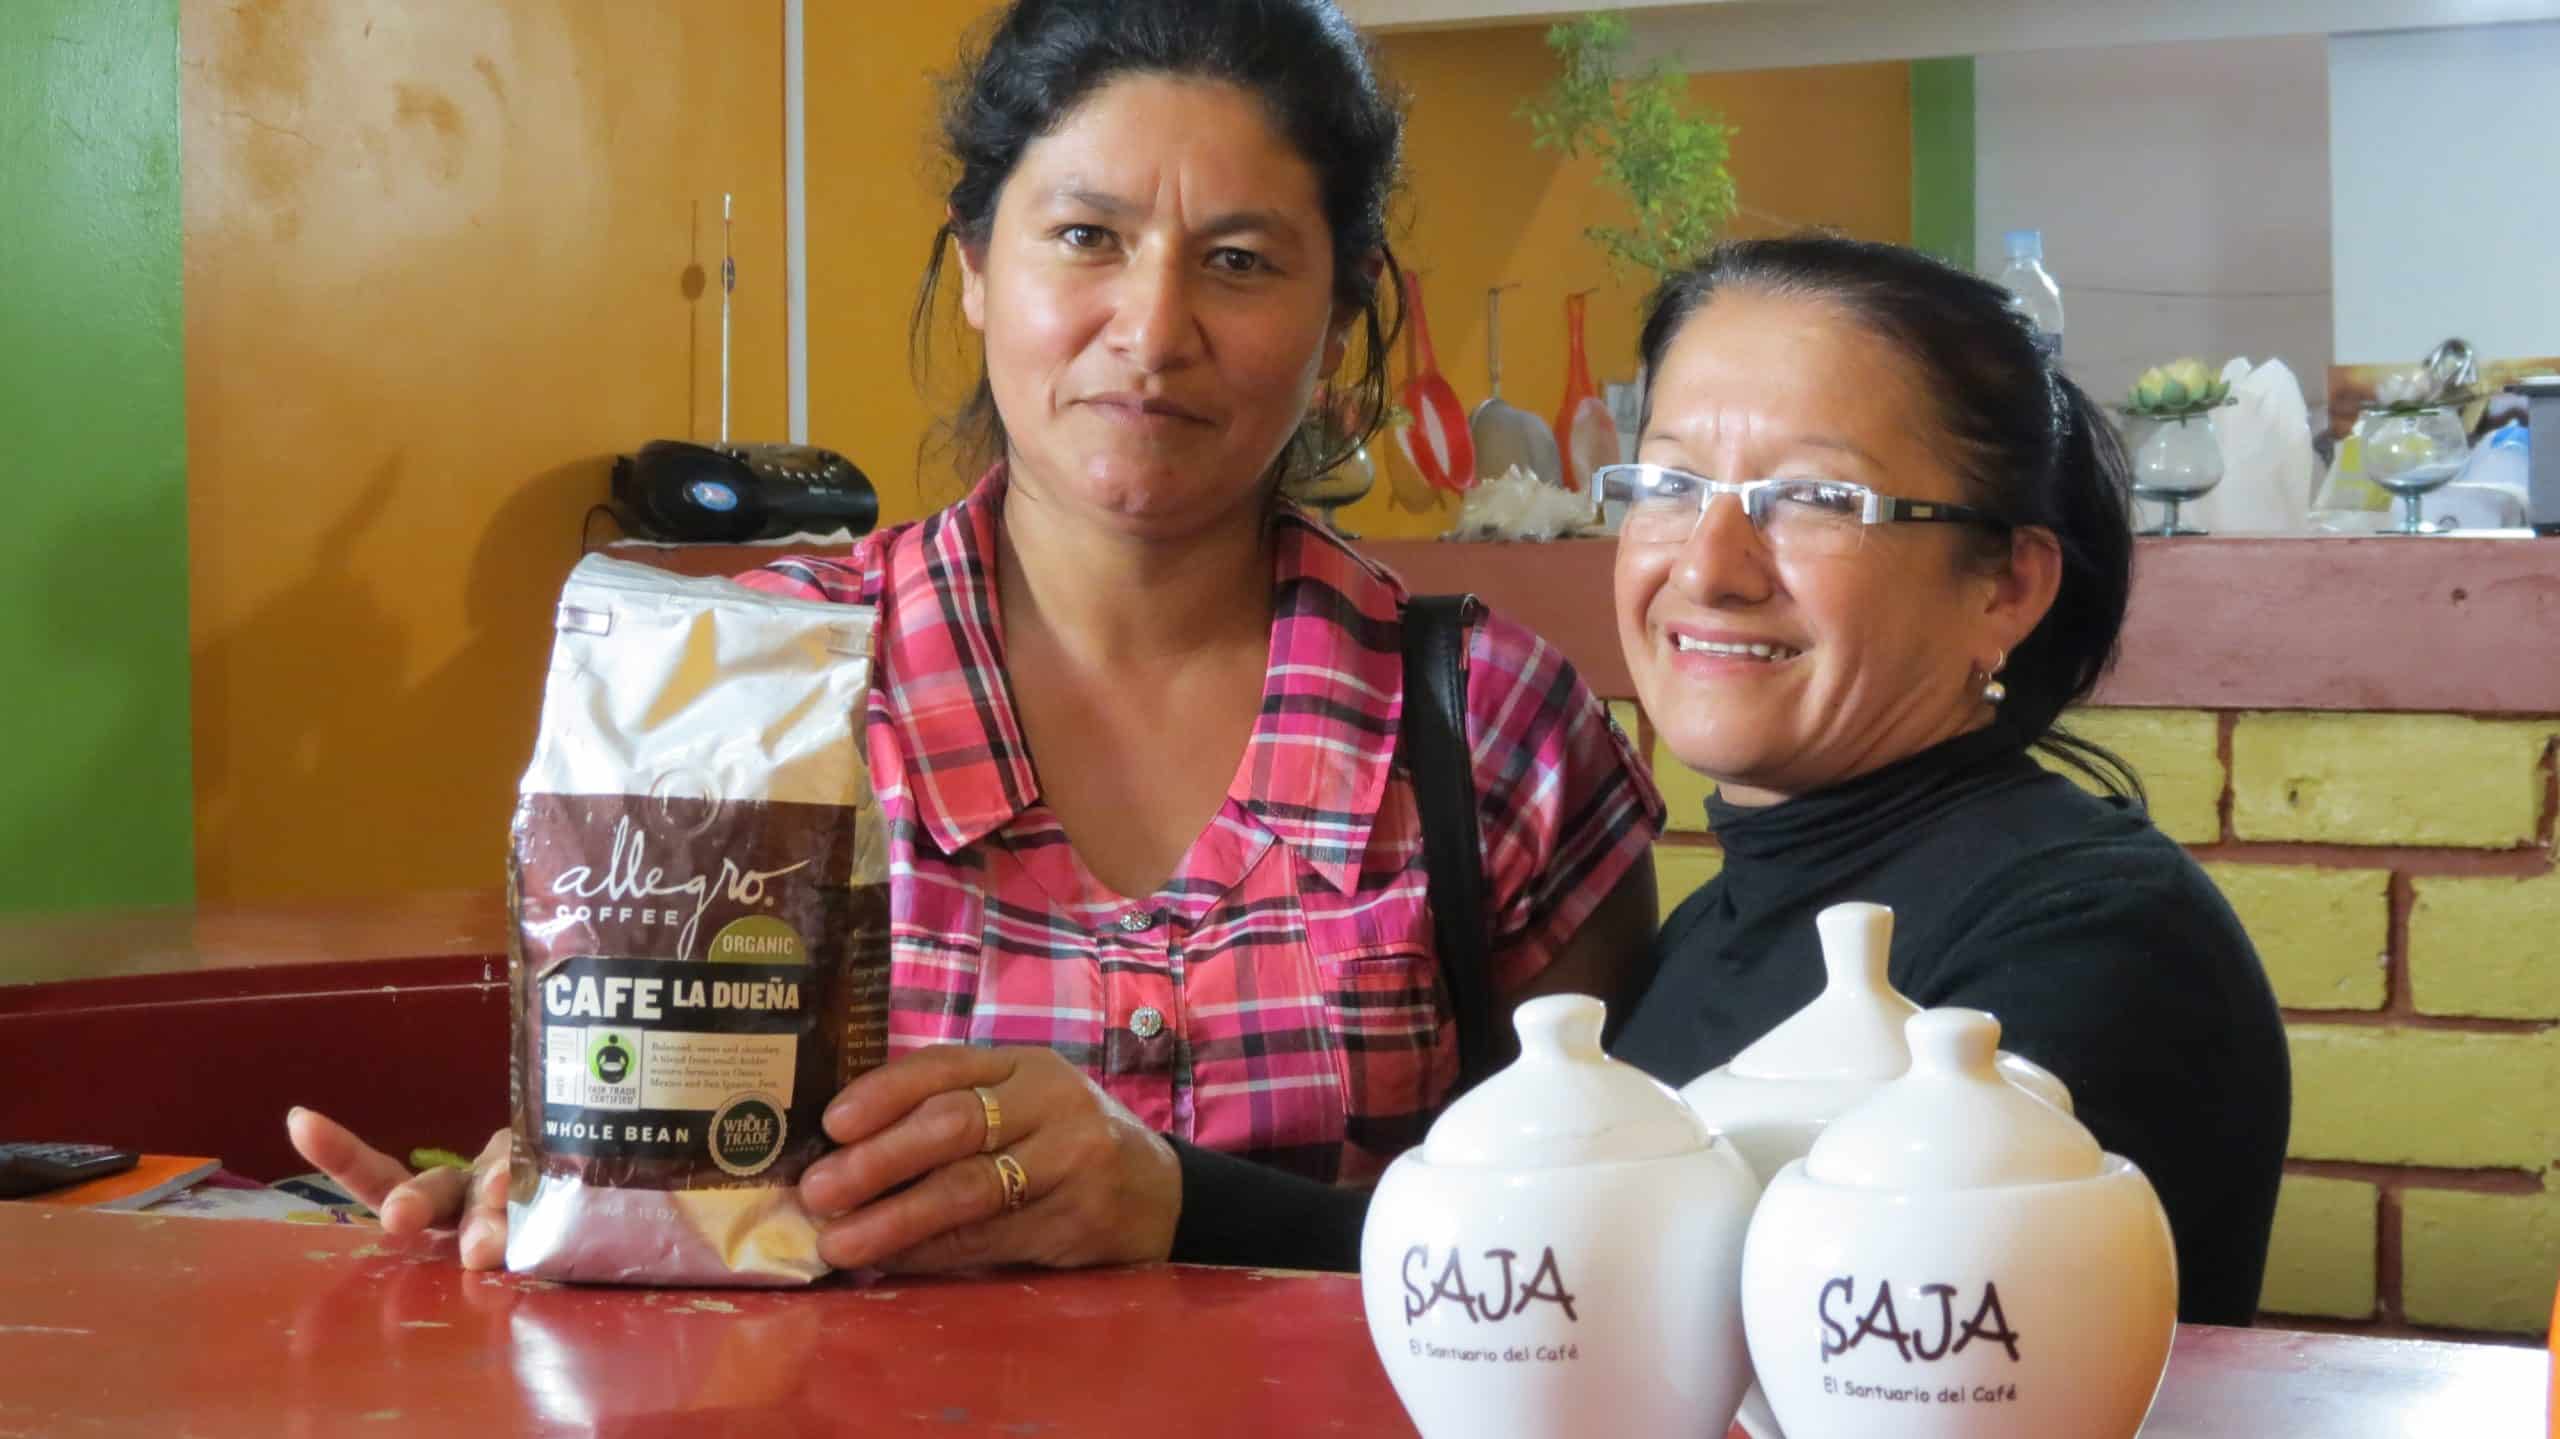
(747, 1134)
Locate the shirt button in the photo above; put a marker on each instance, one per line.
(1135, 920)
(1147, 1022)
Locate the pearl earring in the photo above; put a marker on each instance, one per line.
(1993, 692)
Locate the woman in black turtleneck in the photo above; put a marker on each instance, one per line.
(1875, 544)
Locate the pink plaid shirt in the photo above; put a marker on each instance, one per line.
(1278, 998)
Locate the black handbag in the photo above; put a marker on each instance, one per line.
(1444, 792)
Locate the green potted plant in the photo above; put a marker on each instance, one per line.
(2178, 391)
(1664, 156)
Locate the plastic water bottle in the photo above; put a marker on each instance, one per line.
(2026, 278)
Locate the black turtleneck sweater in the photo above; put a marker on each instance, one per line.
(2107, 955)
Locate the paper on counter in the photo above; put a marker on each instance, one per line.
(2267, 462)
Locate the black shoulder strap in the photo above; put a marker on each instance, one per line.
(1444, 792)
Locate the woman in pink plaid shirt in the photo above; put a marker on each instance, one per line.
(1170, 990)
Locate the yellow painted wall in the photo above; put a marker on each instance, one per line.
(441, 264)
(1829, 146)
(438, 263)
(875, 198)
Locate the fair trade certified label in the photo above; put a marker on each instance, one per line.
(609, 1068)
(647, 1058)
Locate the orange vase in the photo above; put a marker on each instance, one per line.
(1585, 435)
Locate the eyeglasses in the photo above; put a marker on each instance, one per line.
(1795, 516)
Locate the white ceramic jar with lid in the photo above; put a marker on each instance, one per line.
(1775, 1097)
(1562, 1255)
(1955, 1257)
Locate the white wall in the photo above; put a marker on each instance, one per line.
(2183, 191)
(1762, 34)
(2445, 145)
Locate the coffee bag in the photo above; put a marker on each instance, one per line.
(700, 948)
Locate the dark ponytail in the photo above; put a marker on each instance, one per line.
(2029, 443)
(2063, 658)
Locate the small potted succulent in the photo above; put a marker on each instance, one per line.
(2176, 454)
(2180, 390)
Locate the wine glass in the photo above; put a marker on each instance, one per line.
(1345, 483)
(1331, 423)
(2411, 452)
(2178, 459)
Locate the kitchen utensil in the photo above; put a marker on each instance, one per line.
(1407, 488)
(1506, 435)
(1585, 433)
(728, 290)
(1438, 442)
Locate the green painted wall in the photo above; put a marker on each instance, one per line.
(1942, 159)
(95, 800)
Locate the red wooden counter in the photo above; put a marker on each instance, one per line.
(129, 1324)
(191, 1030)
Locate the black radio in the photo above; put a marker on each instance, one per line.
(729, 493)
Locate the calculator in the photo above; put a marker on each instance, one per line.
(34, 1168)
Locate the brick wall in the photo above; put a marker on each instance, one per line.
(2396, 873)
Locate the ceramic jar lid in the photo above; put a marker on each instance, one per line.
(1826, 1056)
(1563, 1102)
(1953, 1122)
(1853, 1029)
(1834, 1051)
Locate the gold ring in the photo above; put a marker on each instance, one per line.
(995, 1120)
(1017, 1185)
